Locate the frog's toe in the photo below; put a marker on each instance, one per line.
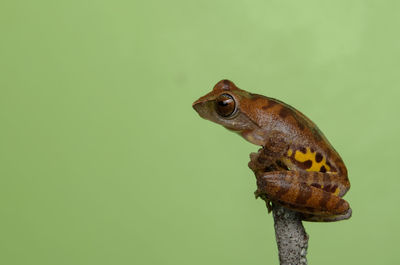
(253, 156)
(257, 194)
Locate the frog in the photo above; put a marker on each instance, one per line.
(296, 166)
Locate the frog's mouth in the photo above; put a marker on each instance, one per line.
(233, 129)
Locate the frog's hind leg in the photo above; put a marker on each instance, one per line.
(288, 189)
(332, 218)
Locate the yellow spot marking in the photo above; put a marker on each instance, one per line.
(290, 152)
(315, 166)
(337, 191)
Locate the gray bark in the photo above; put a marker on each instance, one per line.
(291, 237)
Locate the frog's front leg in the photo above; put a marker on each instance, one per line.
(289, 189)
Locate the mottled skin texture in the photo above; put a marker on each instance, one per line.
(297, 167)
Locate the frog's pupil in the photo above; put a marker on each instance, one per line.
(223, 102)
(225, 105)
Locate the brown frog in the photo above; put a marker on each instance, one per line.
(297, 167)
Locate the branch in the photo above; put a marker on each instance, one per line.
(291, 237)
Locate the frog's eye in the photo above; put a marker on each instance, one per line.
(225, 105)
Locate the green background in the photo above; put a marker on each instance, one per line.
(104, 161)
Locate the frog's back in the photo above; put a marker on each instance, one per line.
(308, 149)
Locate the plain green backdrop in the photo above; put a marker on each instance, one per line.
(104, 161)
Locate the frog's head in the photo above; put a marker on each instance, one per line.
(229, 106)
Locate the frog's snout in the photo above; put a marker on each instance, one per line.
(197, 106)
(201, 108)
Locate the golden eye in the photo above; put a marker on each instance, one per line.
(225, 105)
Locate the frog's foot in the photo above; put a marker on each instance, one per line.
(256, 162)
(260, 162)
(258, 194)
(268, 202)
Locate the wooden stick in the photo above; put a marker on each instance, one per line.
(291, 237)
